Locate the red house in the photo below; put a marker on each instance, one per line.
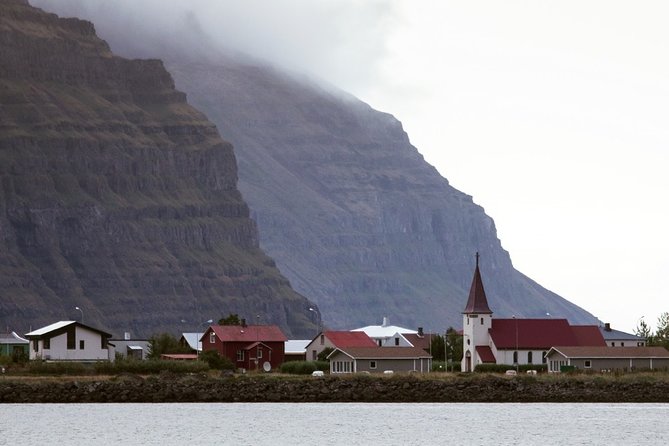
(249, 347)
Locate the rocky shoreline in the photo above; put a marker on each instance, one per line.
(168, 388)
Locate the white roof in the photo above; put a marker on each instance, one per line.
(12, 338)
(193, 340)
(296, 345)
(50, 328)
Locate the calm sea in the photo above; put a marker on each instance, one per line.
(333, 424)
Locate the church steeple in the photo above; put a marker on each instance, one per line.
(477, 302)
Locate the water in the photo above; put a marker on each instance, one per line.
(326, 424)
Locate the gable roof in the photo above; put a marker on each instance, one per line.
(60, 326)
(383, 352)
(346, 339)
(477, 301)
(193, 340)
(249, 333)
(12, 338)
(526, 334)
(486, 354)
(419, 341)
(611, 352)
(296, 346)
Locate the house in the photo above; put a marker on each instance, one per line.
(11, 344)
(608, 358)
(617, 338)
(296, 349)
(70, 341)
(515, 341)
(379, 359)
(192, 341)
(249, 347)
(337, 339)
(130, 348)
(385, 334)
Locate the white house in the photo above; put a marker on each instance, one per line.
(387, 335)
(70, 341)
(617, 338)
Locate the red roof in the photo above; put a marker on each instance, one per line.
(419, 341)
(249, 333)
(588, 335)
(526, 334)
(477, 302)
(485, 353)
(345, 339)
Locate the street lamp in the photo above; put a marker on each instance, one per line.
(516, 354)
(197, 337)
(318, 318)
(82, 313)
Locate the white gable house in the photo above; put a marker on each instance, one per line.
(69, 341)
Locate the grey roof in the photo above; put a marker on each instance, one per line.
(12, 338)
(296, 346)
(617, 335)
(193, 340)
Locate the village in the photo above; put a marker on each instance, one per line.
(550, 345)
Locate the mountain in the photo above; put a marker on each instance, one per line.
(117, 196)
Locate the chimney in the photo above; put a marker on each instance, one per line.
(420, 331)
(243, 323)
(607, 326)
(385, 321)
(126, 335)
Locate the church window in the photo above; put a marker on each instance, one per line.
(515, 357)
(481, 321)
(529, 357)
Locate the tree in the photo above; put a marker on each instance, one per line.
(437, 348)
(662, 331)
(231, 319)
(643, 330)
(164, 343)
(453, 345)
(216, 361)
(323, 355)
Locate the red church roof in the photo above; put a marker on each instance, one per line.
(477, 302)
(249, 333)
(541, 334)
(485, 353)
(345, 339)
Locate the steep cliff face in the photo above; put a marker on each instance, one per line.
(117, 196)
(350, 210)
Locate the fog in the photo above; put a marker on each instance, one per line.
(335, 41)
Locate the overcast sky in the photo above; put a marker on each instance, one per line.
(553, 115)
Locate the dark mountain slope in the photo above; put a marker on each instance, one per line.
(350, 210)
(116, 195)
(353, 215)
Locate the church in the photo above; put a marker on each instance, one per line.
(515, 341)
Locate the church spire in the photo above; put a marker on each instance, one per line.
(477, 302)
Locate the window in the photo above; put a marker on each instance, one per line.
(81, 344)
(515, 357)
(372, 364)
(71, 338)
(314, 355)
(240, 355)
(587, 363)
(47, 343)
(212, 338)
(481, 321)
(322, 339)
(543, 357)
(622, 344)
(35, 345)
(613, 344)
(529, 357)
(397, 341)
(467, 321)
(259, 354)
(379, 342)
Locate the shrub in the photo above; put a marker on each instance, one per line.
(216, 361)
(150, 367)
(502, 368)
(304, 367)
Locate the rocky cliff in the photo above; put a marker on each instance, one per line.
(117, 196)
(349, 209)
